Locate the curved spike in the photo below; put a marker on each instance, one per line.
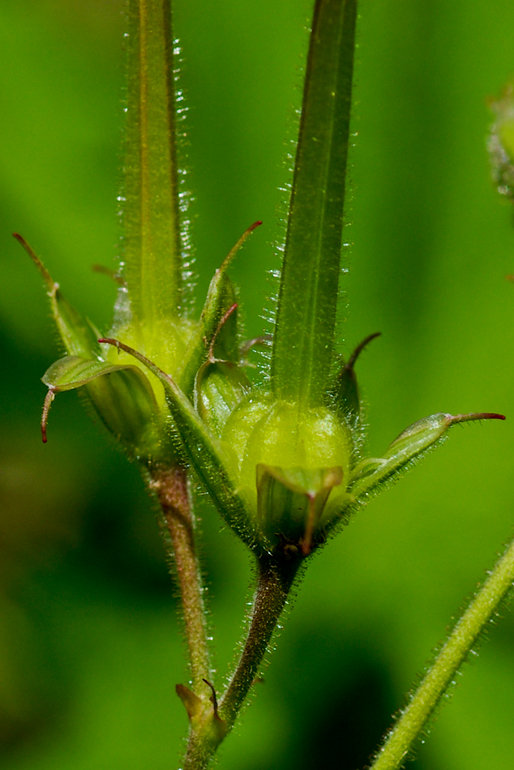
(233, 251)
(358, 350)
(454, 419)
(46, 408)
(52, 286)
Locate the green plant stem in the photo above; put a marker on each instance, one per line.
(414, 717)
(273, 586)
(197, 757)
(274, 583)
(171, 486)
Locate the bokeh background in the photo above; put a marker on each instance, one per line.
(90, 647)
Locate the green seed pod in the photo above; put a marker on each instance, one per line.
(290, 464)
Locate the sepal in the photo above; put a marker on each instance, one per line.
(217, 332)
(121, 395)
(220, 387)
(291, 501)
(410, 445)
(344, 392)
(78, 336)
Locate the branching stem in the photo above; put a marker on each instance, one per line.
(274, 582)
(480, 611)
(273, 586)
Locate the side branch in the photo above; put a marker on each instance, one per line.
(481, 609)
(273, 587)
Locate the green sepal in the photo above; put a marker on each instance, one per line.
(121, 395)
(208, 456)
(291, 501)
(217, 328)
(192, 703)
(217, 332)
(78, 336)
(344, 393)
(73, 372)
(220, 386)
(410, 446)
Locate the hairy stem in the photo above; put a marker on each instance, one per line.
(170, 484)
(414, 717)
(273, 586)
(274, 583)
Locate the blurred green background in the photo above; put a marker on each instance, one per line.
(90, 648)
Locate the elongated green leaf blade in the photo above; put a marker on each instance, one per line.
(306, 314)
(152, 244)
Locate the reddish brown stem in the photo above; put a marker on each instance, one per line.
(171, 486)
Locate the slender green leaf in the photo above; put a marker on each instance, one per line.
(152, 244)
(306, 314)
